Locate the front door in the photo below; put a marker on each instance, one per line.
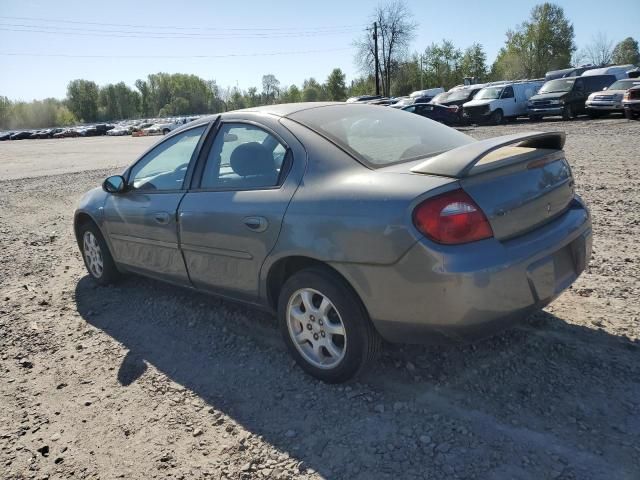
(230, 222)
(508, 102)
(141, 222)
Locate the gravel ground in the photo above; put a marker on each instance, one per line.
(144, 380)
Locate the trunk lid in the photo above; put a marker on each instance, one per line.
(520, 181)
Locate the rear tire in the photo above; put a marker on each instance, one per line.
(325, 327)
(165, 131)
(96, 255)
(629, 114)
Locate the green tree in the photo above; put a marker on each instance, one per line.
(335, 86)
(294, 95)
(442, 64)
(626, 52)
(544, 42)
(143, 89)
(82, 99)
(362, 86)
(252, 99)
(5, 112)
(312, 91)
(118, 102)
(474, 62)
(270, 88)
(407, 77)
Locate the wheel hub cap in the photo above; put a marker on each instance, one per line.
(316, 328)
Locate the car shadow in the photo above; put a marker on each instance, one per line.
(542, 384)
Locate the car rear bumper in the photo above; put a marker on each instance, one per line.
(471, 291)
(544, 111)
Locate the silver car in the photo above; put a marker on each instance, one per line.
(609, 100)
(354, 222)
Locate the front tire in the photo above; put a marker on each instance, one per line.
(567, 112)
(325, 326)
(497, 117)
(96, 255)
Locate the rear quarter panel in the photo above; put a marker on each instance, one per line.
(344, 212)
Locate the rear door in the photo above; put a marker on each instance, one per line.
(231, 219)
(141, 222)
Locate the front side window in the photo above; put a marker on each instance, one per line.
(508, 92)
(165, 167)
(243, 156)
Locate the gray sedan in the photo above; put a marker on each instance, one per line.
(355, 223)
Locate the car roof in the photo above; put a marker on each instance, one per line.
(285, 109)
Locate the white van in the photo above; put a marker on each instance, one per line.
(500, 100)
(620, 71)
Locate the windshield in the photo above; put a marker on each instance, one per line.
(379, 136)
(489, 93)
(559, 85)
(625, 84)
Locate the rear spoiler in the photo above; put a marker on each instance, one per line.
(460, 162)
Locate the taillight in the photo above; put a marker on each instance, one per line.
(452, 218)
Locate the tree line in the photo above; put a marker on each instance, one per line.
(543, 42)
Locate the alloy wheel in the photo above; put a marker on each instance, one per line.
(316, 328)
(93, 254)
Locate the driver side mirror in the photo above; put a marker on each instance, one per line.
(114, 184)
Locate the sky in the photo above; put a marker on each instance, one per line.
(44, 44)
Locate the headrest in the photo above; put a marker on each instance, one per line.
(252, 159)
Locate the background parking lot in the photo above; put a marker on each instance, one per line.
(144, 380)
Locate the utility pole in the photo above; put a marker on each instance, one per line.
(421, 74)
(375, 50)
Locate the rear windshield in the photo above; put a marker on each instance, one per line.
(559, 85)
(380, 136)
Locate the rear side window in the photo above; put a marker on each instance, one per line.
(243, 157)
(378, 136)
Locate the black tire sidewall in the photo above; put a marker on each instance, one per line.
(497, 117)
(351, 312)
(109, 271)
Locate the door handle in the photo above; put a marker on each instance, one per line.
(257, 224)
(161, 217)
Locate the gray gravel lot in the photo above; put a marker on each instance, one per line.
(144, 380)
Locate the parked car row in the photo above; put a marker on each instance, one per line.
(588, 90)
(128, 127)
